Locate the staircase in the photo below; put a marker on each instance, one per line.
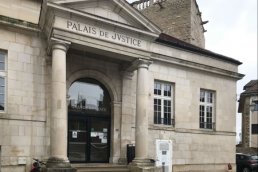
(101, 168)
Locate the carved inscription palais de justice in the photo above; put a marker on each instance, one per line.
(104, 34)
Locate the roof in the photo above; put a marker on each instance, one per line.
(172, 41)
(250, 84)
(252, 89)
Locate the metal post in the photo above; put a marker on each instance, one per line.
(163, 167)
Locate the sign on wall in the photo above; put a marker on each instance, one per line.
(164, 154)
(93, 31)
(74, 134)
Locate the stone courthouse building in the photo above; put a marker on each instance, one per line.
(82, 79)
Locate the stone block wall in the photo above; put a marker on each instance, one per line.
(178, 18)
(187, 84)
(22, 125)
(246, 123)
(27, 10)
(192, 146)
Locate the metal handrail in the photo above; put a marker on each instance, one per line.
(207, 125)
(164, 121)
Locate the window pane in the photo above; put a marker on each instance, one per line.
(202, 124)
(1, 89)
(202, 96)
(1, 81)
(157, 89)
(254, 128)
(167, 90)
(2, 98)
(256, 106)
(1, 106)
(2, 57)
(209, 97)
(2, 66)
(157, 111)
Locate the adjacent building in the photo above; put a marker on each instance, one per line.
(80, 80)
(248, 106)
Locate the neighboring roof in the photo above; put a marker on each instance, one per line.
(251, 88)
(170, 40)
(250, 84)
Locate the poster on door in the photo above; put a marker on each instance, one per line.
(74, 134)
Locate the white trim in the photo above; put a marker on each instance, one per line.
(205, 104)
(162, 98)
(3, 74)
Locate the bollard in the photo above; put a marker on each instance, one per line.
(163, 166)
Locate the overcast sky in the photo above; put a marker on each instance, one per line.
(232, 31)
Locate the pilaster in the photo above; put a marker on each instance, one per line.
(127, 112)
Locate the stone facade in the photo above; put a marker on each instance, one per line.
(25, 10)
(179, 18)
(246, 124)
(23, 127)
(247, 107)
(26, 128)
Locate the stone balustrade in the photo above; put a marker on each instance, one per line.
(142, 4)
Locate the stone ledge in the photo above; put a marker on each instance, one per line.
(59, 169)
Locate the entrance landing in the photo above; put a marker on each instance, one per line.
(105, 167)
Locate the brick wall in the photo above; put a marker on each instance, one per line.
(178, 18)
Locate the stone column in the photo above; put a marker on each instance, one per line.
(141, 123)
(58, 160)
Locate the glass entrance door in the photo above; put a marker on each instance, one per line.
(88, 139)
(99, 151)
(77, 140)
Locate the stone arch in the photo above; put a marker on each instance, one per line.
(94, 75)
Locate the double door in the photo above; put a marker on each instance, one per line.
(88, 139)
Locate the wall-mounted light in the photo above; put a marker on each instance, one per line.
(252, 106)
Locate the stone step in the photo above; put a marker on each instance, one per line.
(101, 168)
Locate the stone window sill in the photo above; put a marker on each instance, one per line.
(162, 127)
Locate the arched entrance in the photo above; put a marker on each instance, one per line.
(89, 115)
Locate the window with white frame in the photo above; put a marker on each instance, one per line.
(2, 81)
(163, 105)
(206, 109)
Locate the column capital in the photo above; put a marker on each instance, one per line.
(142, 63)
(127, 75)
(58, 44)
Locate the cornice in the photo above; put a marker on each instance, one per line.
(197, 66)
